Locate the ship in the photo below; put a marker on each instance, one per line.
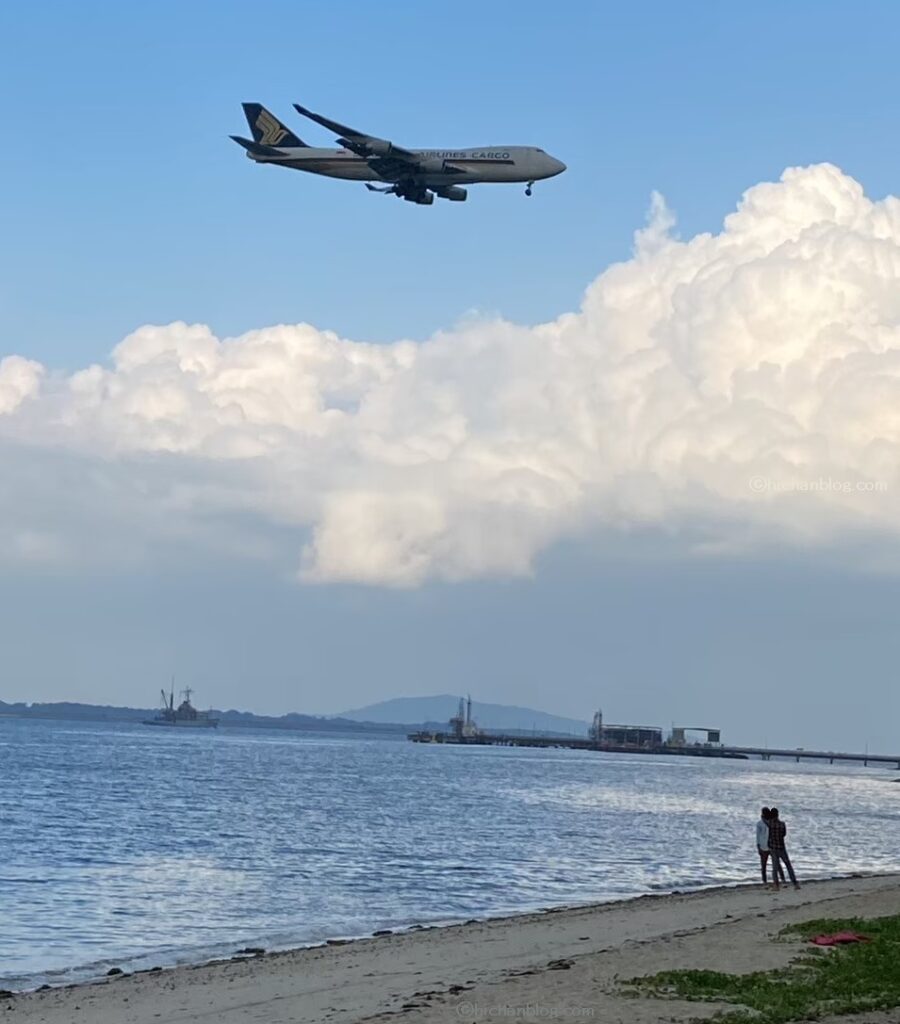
(184, 716)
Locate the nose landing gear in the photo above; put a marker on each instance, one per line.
(528, 188)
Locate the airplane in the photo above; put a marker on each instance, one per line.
(416, 175)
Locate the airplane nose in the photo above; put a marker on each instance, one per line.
(550, 166)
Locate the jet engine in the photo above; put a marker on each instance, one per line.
(454, 193)
(422, 198)
(433, 165)
(377, 147)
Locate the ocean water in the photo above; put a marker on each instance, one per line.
(126, 846)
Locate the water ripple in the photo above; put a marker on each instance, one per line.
(125, 846)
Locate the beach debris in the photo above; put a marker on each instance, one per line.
(251, 951)
(384, 931)
(114, 971)
(5, 993)
(337, 942)
(839, 938)
(560, 965)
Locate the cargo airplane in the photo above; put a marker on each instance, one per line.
(417, 175)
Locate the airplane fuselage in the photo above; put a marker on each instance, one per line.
(438, 167)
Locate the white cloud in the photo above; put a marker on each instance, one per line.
(19, 379)
(744, 386)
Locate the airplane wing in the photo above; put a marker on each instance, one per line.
(382, 156)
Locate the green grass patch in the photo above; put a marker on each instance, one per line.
(842, 979)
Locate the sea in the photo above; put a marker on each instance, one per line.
(131, 847)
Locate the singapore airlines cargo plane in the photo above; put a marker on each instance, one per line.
(417, 175)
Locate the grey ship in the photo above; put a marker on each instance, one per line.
(185, 715)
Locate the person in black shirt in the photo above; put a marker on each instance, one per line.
(777, 832)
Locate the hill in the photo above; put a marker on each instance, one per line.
(69, 711)
(413, 711)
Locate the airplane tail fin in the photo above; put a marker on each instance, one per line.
(267, 130)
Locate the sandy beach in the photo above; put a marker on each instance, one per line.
(563, 964)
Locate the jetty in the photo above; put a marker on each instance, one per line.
(687, 741)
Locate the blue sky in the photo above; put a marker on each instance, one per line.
(124, 203)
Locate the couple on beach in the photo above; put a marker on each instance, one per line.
(770, 833)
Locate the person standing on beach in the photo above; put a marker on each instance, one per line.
(777, 832)
(762, 845)
(762, 841)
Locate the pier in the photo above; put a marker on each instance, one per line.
(637, 739)
(799, 754)
(690, 750)
(491, 739)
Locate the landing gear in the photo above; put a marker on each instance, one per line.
(528, 188)
(411, 191)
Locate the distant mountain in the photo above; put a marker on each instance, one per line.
(414, 711)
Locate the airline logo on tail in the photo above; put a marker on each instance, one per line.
(271, 131)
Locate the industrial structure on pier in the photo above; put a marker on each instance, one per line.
(692, 741)
(462, 724)
(651, 735)
(601, 736)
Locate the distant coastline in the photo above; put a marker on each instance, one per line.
(545, 724)
(75, 712)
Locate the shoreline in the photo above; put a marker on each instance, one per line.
(233, 954)
(353, 979)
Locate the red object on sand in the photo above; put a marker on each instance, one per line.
(839, 938)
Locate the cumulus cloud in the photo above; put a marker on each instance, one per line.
(739, 386)
(19, 379)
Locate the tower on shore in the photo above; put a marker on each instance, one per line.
(462, 723)
(596, 730)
